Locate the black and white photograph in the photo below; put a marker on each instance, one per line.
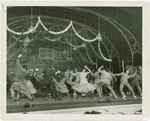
(74, 60)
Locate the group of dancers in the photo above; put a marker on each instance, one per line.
(53, 81)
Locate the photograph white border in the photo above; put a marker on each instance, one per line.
(80, 117)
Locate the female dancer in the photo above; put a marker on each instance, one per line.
(29, 84)
(124, 81)
(96, 76)
(77, 80)
(60, 86)
(84, 86)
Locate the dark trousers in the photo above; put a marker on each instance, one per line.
(53, 90)
(46, 90)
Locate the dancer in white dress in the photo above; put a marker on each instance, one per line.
(77, 80)
(60, 86)
(29, 85)
(84, 86)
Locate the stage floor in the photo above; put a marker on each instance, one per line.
(130, 109)
(41, 104)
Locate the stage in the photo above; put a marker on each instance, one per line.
(72, 105)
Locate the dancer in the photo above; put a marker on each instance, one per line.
(77, 80)
(60, 86)
(49, 81)
(29, 84)
(84, 86)
(113, 79)
(124, 81)
(19, 82)
(33, 75)
(40, 82)
(105, 80)
(136, 80)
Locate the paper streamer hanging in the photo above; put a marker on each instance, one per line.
(99, 38)
(101, 52)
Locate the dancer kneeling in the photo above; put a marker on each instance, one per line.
(84, 86)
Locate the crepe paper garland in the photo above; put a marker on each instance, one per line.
(51, 32)
(33, 29)
(92, 40)
(75, 46)
(89, 57)
(99, 39)
(101, 52)
(84, 58)
(52, 40)
(96, 53)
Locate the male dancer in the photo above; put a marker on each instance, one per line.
(49, 81)
(137, 80)
(124, 81)
(105, 80)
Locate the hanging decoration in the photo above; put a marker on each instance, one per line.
(64, 52)
(99, 39)
(24, 33)
(71, 59)
(101, 53)
(92, 40)
(89, 56)
(33, 29)
(75, 48)
(52, 40)
(51, 32)
(27, 41)
(84, 58)
(83, 45)
(96, 53)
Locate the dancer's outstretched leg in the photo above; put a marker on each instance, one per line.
(92, 93)
(80, 94)
(112, 91)
(68, 94)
